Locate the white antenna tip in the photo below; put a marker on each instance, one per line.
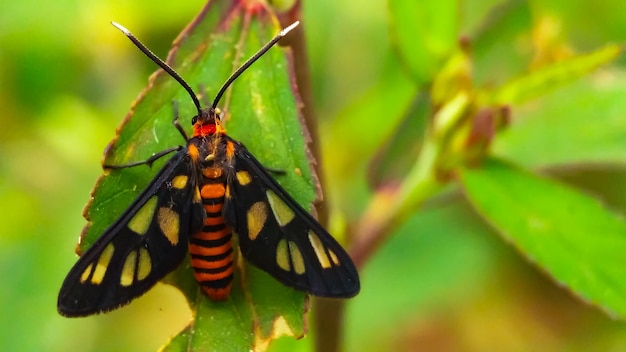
(120, 27)
(289, 28)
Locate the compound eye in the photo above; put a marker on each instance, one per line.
(194, 120)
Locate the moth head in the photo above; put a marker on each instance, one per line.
(207, 122)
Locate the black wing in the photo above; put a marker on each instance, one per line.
(148, 241)
(277, 235)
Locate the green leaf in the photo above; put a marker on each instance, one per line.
(546, 79)
(445, 256)
(424, 34)
(578, 124)
(501, 45)
(262, 112)
(400, 149)
(573, 237)
(251, 318)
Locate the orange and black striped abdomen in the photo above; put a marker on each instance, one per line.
(211, 248)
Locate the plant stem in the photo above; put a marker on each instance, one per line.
(389, 207)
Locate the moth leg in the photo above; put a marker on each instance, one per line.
(176, 122)
(275, 171)
(148, 161)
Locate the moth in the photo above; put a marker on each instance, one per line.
(210, 190)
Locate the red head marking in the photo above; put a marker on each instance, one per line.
(208, 123)
(202, 130)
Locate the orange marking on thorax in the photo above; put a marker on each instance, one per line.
(193, 152)
(219, 128)
(230, 150)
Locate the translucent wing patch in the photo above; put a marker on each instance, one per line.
(277, 235)
(148, 241)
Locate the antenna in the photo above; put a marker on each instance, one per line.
(251, 60)
(161, 64)
(182, 82)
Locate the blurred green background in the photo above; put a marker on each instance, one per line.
(443, 282)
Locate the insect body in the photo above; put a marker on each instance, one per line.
(209, 190)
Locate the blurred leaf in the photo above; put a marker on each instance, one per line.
(583, 24)
(541, 81)
(569, 234)
(424, 33)
(581, 123)
(262, 102)
(398, 153)
(438, 256)
(477, 14)
(376, 115)
(501, 46)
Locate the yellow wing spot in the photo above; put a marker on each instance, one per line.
(282, 212)
(129, 269)
(85, 274)
(282, 255)
(169, 223)
(333, 257)
(180, 181)
(103, 264)
(145, 264)
(296, 258)
(227, 192)
(320, 252)
(243, 177)
(257, 215)
(141, 221)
